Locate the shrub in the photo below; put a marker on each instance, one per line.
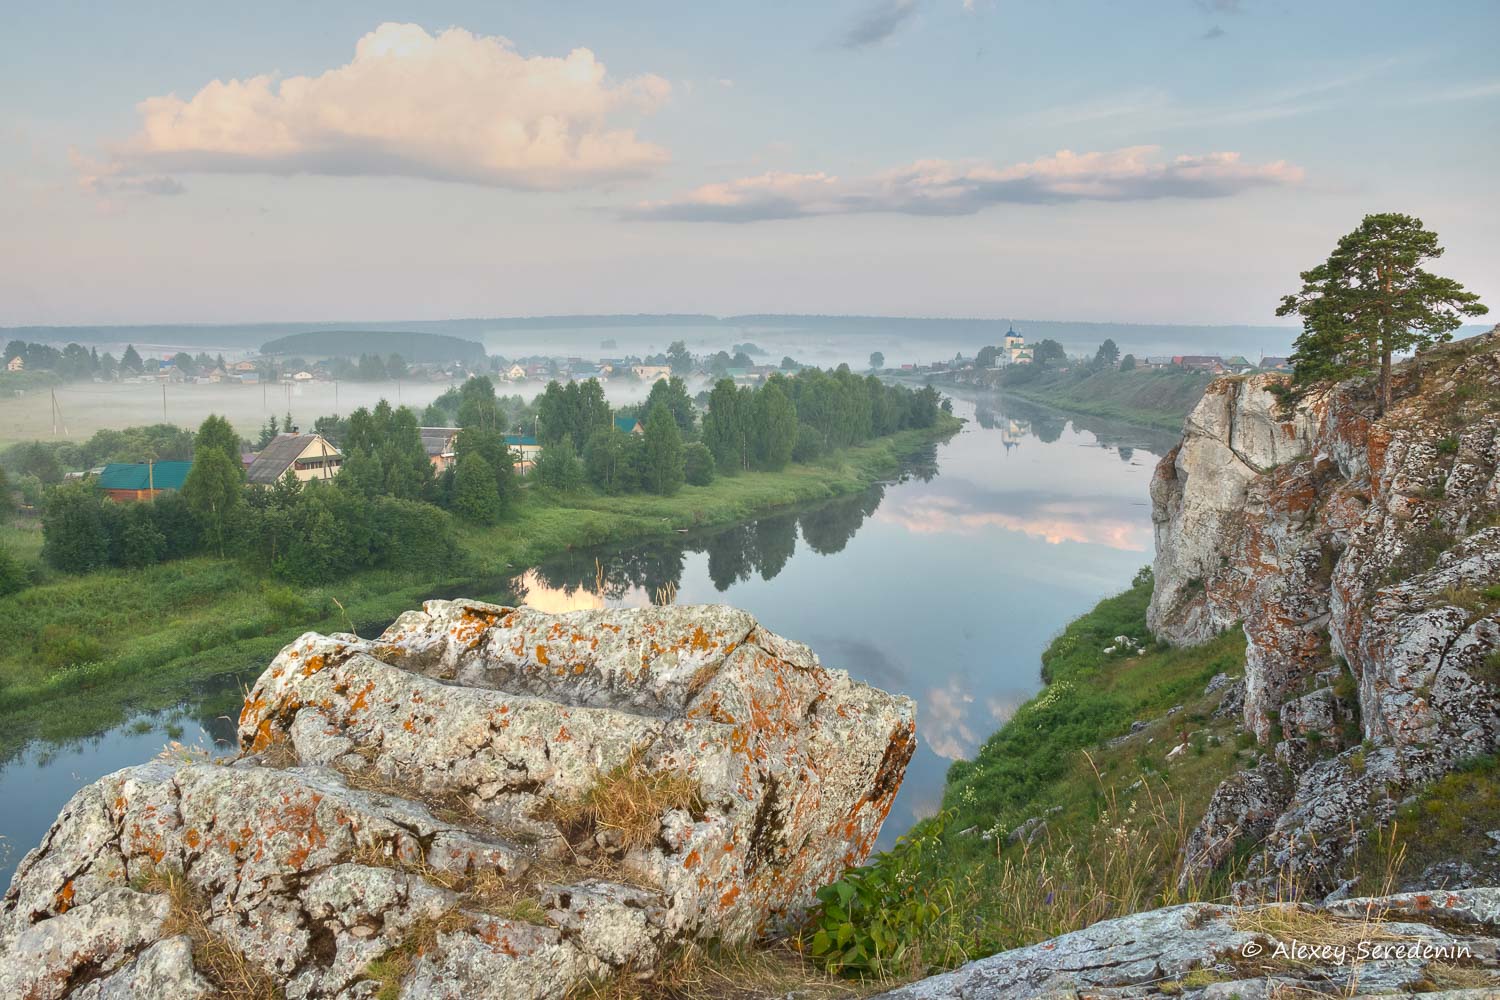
(13, 575)
(283, 602)
(475, 495)
(410, 534)
(58, 646)
(558, 467)
(75, 529)
(698, 463)
(871, 922)
(810, 444)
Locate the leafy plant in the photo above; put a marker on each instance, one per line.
(872, 921)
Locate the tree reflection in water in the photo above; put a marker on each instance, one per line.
(735, 553)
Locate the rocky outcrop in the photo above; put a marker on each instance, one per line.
(1360, 555)
(483, 802)
(1412, 943)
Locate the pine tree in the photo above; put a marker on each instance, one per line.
(1371, 300)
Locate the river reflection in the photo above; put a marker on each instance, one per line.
(944, 584)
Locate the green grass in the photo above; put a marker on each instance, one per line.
(22, 538)
(1151, 398)
(1448, 821)
(80, 653)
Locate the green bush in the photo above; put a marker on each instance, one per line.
(60, 647)
(875, 921)
(283, 602)
(13, 575)
(698, 463)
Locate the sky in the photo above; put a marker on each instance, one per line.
(1177, 161)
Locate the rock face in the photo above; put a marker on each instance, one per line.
(494, 801)
(1205, 952)
(1360, 554)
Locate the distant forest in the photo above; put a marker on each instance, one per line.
(415, 348)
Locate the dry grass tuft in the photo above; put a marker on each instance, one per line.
(391, 968)
(279, 752)
(485, 890)
(1448, 976)
(627, 804)
(721, 972)
(450, 807)
(234, 975)
(1316, 928)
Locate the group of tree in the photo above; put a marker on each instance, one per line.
(387, 509)
(797, 418)
(658, 460)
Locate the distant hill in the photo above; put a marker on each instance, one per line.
(417, 348)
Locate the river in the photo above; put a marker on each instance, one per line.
(944, 584)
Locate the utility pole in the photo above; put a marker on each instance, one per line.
(164, 402)
(57, 417)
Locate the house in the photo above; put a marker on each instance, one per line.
(526, 449)
(439, 442)
(249, 378)
(1199, 363)
(1154, 361)
(126, 482)
(515, 373)
(1272, 363)
(16, 364)
(309, 456)
(652, 373)
(1237, 364)
(630, 425)
(244, 366)
(303, 376)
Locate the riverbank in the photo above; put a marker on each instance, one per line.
(1158, 399)
(79, 653)
(1075, 809)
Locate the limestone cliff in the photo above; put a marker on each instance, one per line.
(1360, 554)
(483, 802)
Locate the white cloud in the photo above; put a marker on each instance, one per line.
(454, 106)
(945, 187)
(944, 724)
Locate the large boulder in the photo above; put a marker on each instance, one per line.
(483, 802)
(1392, 945)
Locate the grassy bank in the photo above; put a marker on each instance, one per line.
(1101, 818)
(1158, 399)
(77, 653)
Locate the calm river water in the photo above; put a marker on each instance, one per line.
(945, 584)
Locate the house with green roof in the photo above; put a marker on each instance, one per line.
(126, 482)
(526, 448)
(629, 425)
